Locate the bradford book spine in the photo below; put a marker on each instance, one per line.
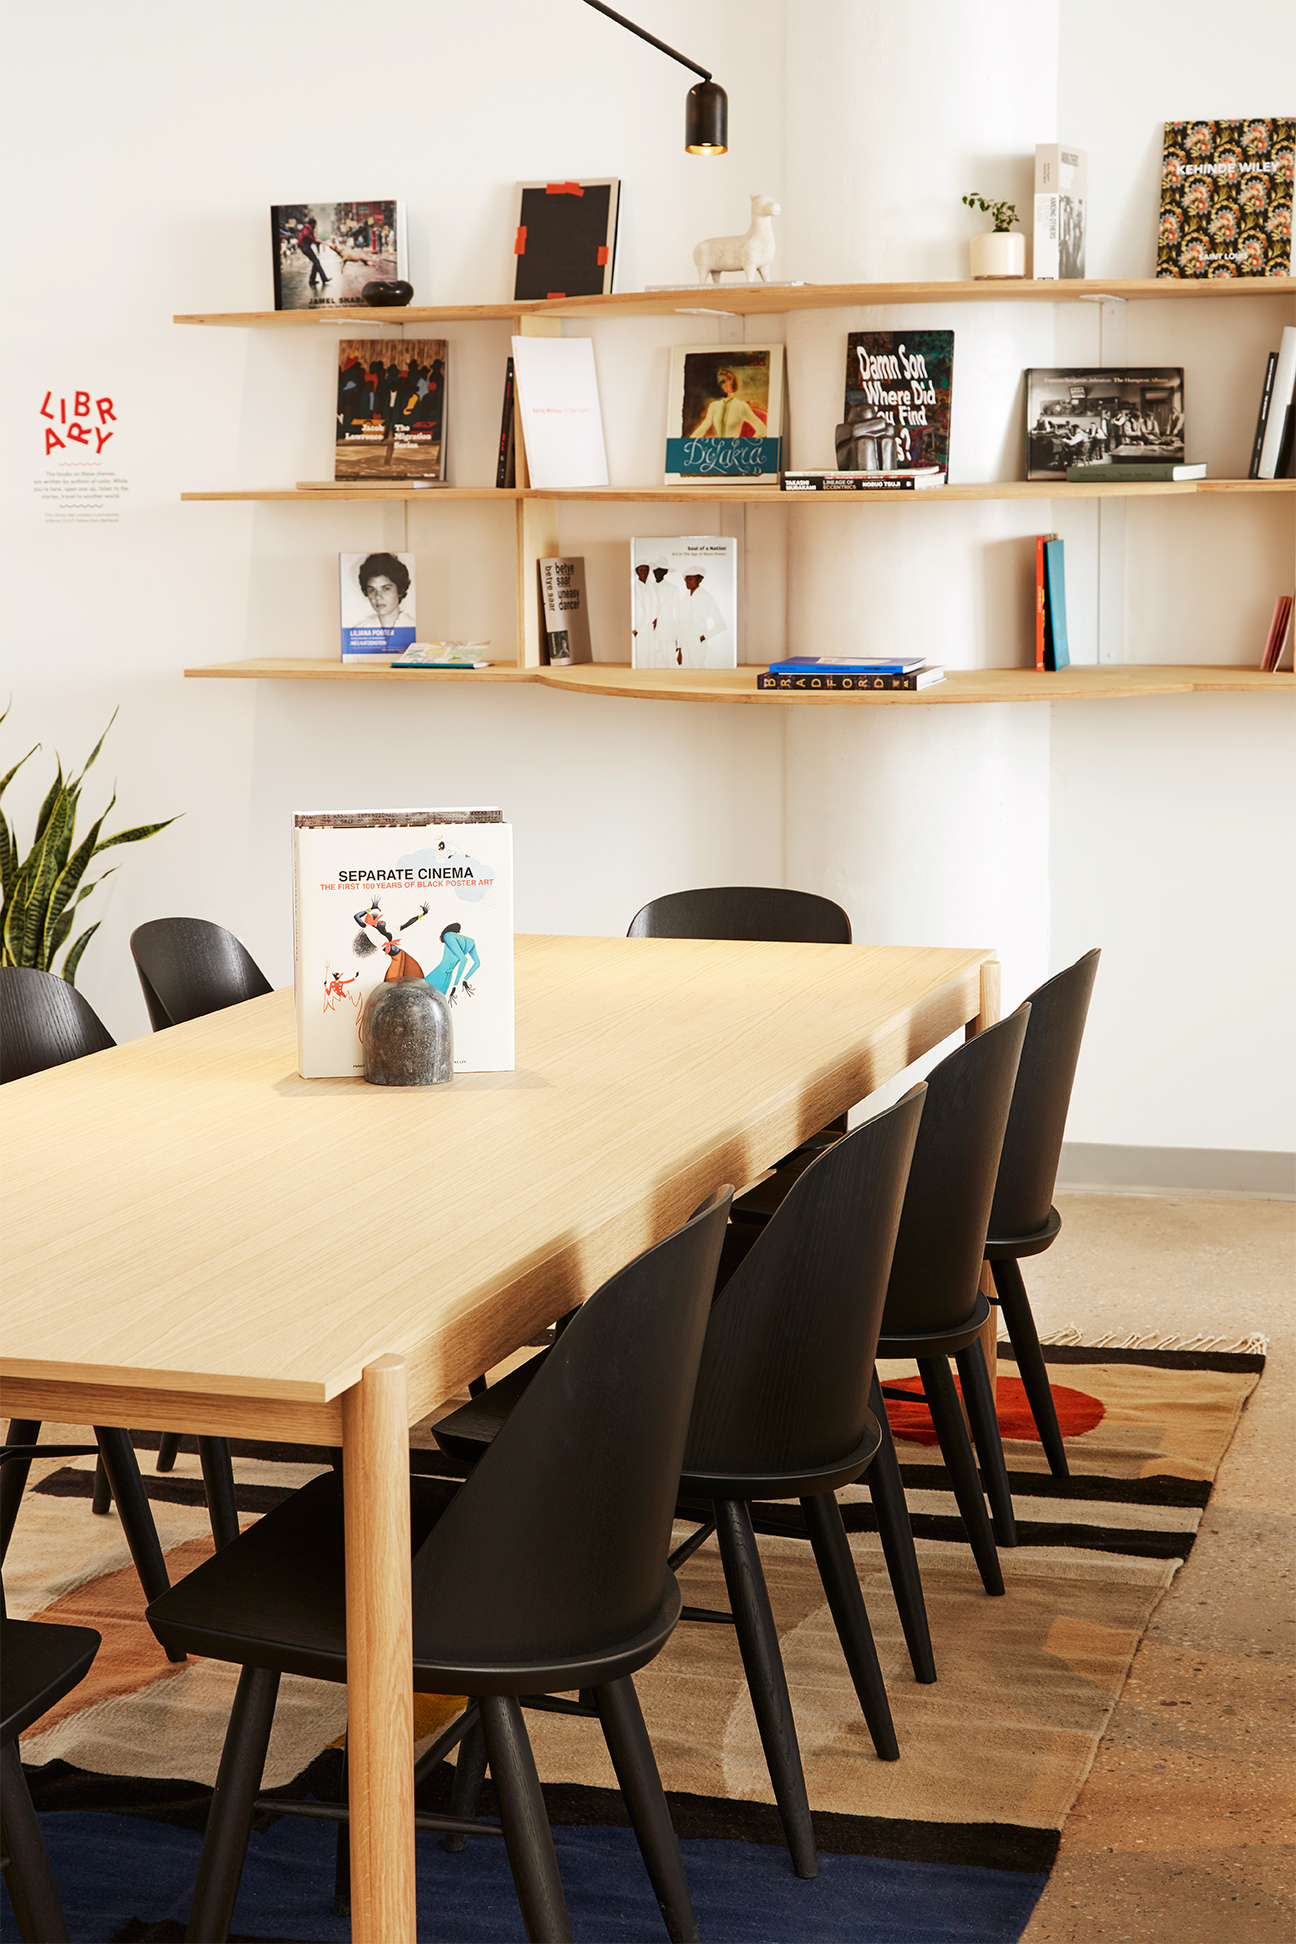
(905, 684)
(1262, 416)
(504, 464)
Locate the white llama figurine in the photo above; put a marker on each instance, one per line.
(752, 253)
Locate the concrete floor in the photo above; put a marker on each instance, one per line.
(1183, 1830)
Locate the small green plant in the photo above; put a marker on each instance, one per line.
(41, 891)
(1003, 213)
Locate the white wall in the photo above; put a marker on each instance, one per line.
(177, 127)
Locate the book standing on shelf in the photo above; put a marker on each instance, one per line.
(1061, 174)
(564, 240)
(558, 400)
(1041, 599)
(325, 253)
(566, 610)
(506, 464)
(899, 390)
(382, 895)
(1056, 654)
(391, 410)
(1262, 416)
(1080, 415)
(1226, 198)
(1279, 635)
(684, 602)
(725, 417)
(376, 599)
(1275, 460)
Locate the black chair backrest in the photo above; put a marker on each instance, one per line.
(742, 911)
(44, 1022)
(557, 1543)
(189, 967)
(785, 1374)
(1037, 1120)
(941, 1244)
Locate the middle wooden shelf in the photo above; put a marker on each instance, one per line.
(1006, 489)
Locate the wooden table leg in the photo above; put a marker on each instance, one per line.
(988, 1016)
(380, 1697)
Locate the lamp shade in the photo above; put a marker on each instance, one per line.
(706, 119)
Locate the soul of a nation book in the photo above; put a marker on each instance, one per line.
(324, 253)
(381, 895)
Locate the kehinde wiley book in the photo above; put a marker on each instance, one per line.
(1226, 198)
(391, 409)
(324, 253)
(899, 388)
(382, 895)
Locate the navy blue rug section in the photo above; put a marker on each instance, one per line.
(127, 1880)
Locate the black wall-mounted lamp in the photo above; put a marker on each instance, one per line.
(706, 109)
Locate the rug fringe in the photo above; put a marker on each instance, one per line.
(1256, 1344)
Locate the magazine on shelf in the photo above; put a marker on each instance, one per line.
(725, 416)
(564, 238)
(557, 401)
(1061, 173)
(377, 606)
(391, 410)
(899, 388)
(402, 894)
(684, 602)
(566, 609)
(1077, 416)
(324, 253)
(1226, 198)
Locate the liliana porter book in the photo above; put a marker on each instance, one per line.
(402, 894)
(376, 601)
(326, 252)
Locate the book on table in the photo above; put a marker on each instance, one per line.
(1084, 413)
(1061, 177)
(557, 402)
(381, 895)
(1226, 198)
(324, 253)
(391, 410)
(566, 609)
(376, 601)
(564, 239)
(899, 391)
(684, 602)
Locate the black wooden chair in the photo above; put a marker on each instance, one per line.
(45, 1022)
(545, 1572)
(189, 967)
(782, 1412)
(39, 1664)
(1023, 1221)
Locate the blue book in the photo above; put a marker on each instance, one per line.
(830, 665)
(1055, 640)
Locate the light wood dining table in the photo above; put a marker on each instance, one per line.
(196, 1239)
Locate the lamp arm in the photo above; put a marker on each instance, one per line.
(651, 39)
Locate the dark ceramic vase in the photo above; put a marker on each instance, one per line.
(382, 296)
(408, 1035)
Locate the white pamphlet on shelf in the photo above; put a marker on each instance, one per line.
(558, 403)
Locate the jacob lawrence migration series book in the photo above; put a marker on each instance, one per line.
(326, 252)
(899, 386)
(1226, 198)
(402, 894)
(391, 409)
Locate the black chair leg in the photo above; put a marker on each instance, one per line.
(956, 1448)
(168, 1451)
(28, 1876)
(470, 1773)
(229, 1822)
(122, 1467)
(527, 1835)
(636, 1772)
(218, 1482)
(766, 1680)
(841, 1583)
(13, 1478)
(1031, 1368)
(887, 1493)
(101, 1496)
(984, 1419)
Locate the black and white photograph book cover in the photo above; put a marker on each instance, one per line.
(1077, 417)
(376, 599)
(684, 602)
(391, 409)
(324, 253)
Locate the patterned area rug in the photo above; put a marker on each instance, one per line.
(954, 1841)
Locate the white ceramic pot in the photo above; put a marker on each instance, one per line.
(998, 253)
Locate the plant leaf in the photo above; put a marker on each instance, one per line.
(133, 836)
(75, 952)
(18, 765)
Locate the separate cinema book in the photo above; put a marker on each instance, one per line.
(376, 601)
(324, 253)
(1226, 198)
(391, 409)
(564, 238)
(402, 894)
(684, 602)
(899, 394)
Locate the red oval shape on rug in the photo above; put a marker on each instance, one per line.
(1077, 1411)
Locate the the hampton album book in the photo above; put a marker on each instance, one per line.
(402, 894)
(324, 253)
(391, 408)
(1078, 417)
(899, 390)
(684, 602)
(1226, 198)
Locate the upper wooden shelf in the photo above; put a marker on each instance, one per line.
(761, 300)
(1005, 489)
(1112, 683)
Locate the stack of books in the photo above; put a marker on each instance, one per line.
(849, 672)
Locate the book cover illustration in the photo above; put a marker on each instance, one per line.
(1061, 174)
(325, 253)
(1077, 417)
(564, 244)
(725, 417)
(1226, 198)
(402, 894)
(899, 389)
(684, 602)
(391, 408)
(566, 609)
(376, 601)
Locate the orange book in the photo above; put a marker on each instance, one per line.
(1041, 599)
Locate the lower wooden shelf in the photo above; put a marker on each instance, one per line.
(1114, 682)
